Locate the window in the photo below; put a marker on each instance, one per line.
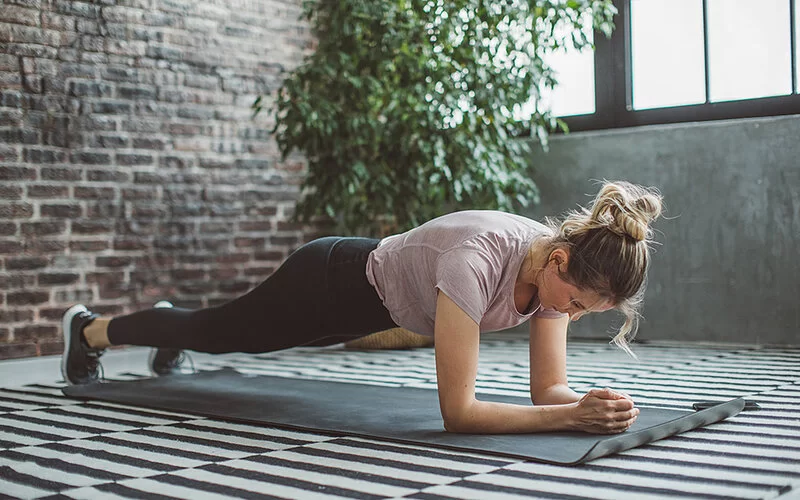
(686, 60)
(749, 51)
(667, 63)
(796, 39)
(575, 72)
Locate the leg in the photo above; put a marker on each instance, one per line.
(356, 309)
(96, 333)
(320, 291)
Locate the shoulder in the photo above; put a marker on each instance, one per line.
(485, 215)
(474, 223)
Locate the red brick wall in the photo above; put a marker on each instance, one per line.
(130, 170)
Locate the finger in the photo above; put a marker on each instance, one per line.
(623, 423)
(620, 426)
(624, 416)
(613, 394)
(622, 404)
(620, 395)
(612, 429)
(604, 393)
(625, 395)
(611, 406)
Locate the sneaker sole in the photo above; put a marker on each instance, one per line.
(66, 327)
(152, 357)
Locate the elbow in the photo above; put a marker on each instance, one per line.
(455, 425)
(557, 394)
(451, 424)
(538, 393)
(457, 420)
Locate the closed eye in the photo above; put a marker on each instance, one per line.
(580, 306)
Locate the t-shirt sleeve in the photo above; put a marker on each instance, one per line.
(548, 314)
(469, 278)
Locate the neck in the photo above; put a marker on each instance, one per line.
(534, 263)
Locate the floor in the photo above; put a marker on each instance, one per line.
(55, 447)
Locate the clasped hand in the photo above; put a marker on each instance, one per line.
(604, 411)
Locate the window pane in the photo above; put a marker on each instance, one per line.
(748, 47)
(574, 94)
(668, 64)
(797, 45)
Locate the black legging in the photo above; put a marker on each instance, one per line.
(319, 296)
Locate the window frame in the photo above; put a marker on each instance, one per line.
(614, 86)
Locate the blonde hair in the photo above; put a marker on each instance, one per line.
(609, 249)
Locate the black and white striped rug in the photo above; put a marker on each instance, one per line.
(54, 447)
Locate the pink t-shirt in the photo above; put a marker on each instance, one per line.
(473, 256)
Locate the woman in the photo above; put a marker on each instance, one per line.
(452, 277)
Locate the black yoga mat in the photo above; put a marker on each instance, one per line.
(405, 415)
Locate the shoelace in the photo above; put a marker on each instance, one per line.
(93, 355)
(93, 362)
(180, 359)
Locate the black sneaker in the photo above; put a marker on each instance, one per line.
(164, 360)
(80, 364)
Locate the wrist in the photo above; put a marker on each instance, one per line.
(568, 418)
(555, 418)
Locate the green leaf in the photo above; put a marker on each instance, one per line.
(404, 110)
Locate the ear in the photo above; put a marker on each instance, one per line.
(559, 256)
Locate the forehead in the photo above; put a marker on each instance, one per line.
(590, 299)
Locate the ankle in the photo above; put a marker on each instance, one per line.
(96, 333)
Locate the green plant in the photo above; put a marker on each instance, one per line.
(406, 110)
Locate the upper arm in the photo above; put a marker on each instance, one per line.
(548, 353)
(457, 338)
(469, 278)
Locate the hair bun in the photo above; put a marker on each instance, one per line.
(627, 209)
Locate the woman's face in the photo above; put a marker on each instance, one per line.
(555, 293)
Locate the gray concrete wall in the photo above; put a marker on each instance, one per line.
(727, 268)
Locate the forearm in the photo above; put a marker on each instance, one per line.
(558, 394)
(483, 417)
